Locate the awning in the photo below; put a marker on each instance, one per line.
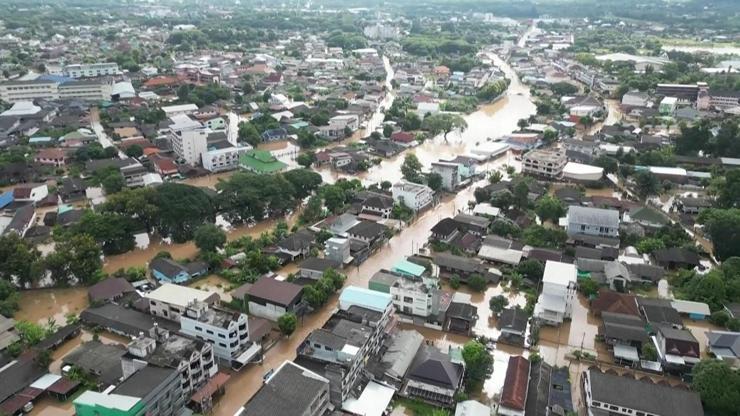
(249, 354)
(215, 383)
(626, 352)
(63, 386)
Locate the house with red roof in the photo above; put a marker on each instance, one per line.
(164, 165)
(404, 138)
(514, 395)
(52, 157)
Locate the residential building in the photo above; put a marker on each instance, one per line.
(635, 99)
(170, 301)
(368, 232)
(379, 206)
(514, 394)
(166, 270)
(512, 322)
(124, 321)
(338, 250)
(291, 391)
(725, 345)
(189, 139)
(227, 331)
(270, 298)
(549, 391)
(100, 362)
(414, 297)
(151, 391)
(261, 162)
(181, 109)
(340, 349)
(460, 316)
(473, 223)
(677, 348)
(608, 393)
(192, 358)
(434, 377)
(50, 90)
(412, 195)
(8, 334)
(593, 221)
(724, 99)
(222, 156)
(110, 290)
(555, 303)
(544, 163)
(314, 267)
(52, 156)
(450, 174)
(90, 70)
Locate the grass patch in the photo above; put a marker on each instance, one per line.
(419, 408)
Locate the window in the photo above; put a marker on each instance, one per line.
(221, 344)
(197, 328)
(408, 299)
(222, 336)
(209, 331)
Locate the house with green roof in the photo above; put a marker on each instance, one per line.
(261, 162)
(91, 403)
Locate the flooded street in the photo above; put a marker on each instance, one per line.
(41, 304)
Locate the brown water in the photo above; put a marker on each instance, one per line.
(214, 283)
(577, 334)
(38, 305)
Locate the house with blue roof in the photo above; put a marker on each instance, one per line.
(365, 298)
(274, 134)
(6, 198)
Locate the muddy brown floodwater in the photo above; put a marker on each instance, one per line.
(39, 305)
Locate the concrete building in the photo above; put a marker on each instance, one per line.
(227, 331)
(270, 298)
(555, 303)
(189, 139)
(544, 163)
(450, 174)
(415, 297)
(40, 89)
(338, 250)
(291, 390)
(170, 301)
(192, 358)
(593, 221)
(222, 158)
(412, 195)
(90, 70)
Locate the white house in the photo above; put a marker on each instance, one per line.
(169, 301)
(412, 195)
(182, 109)
(593, 221)
(555, 303)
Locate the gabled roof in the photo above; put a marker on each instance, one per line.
(514, 394)
(431, 366)
(367, 229)
(290, 391)
(623, 327)
(611, 301)
(446, 226)
(109, 288)
(275, 291)
(513, 319)
(593, 216)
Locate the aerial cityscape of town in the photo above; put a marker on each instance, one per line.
(370, 208)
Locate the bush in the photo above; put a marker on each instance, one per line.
(719, 318)
(455, 282)
(287, 323)
(477, 283)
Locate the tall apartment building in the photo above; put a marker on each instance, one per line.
(90, 70)
(339, 350)
(41, 89)
(192, 358)
(559, 283)
(227, 331)
(189, 139)
(545, 163)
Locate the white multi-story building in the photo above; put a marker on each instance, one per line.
(169, 301)
(559, 284)
(337, 249)
(88, 90)
(414, 297)
(546, 163)
(189, 139)
(412, 195)
(593, 221)
(449, 172)
(181, 109)
(227, 331)
(90, 70)
(219, 159)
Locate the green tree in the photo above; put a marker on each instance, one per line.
(114, 232)
(304, 181)
(498, 303)
(531, 269)
(538, 236)
(608, 163)
(8, 298)
(495, 177)
(727, 188)
(134, 151)
(522, 123)
(549, 208)
(521, 195)
(248, 133)
(387, 131)
(30, 333)
(481, 195)
(113, 182)
(477, 283)
(182, 209)
(563, 88)
(455, 281)
(649, 245)
(76, 258)
(287, 323)
(444, 123)
(588, 287)
(478, 363)
(411, 168)
(313, 210)
(723, 228)
(649, 352)
(306, 159)
(209, 237)
(646, 184)
(718, 386)
(434, 181)
(19, 260)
